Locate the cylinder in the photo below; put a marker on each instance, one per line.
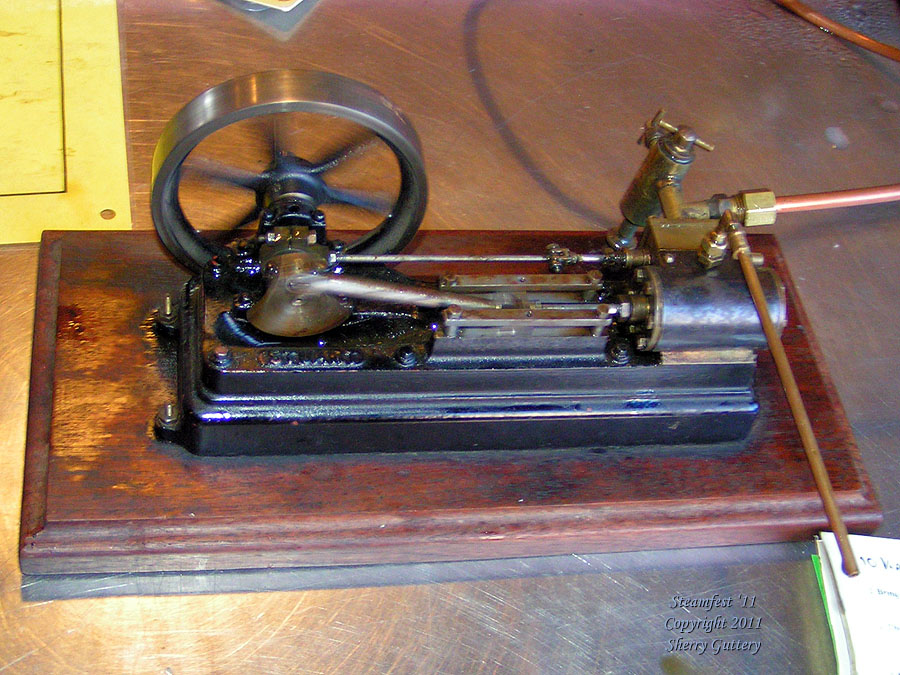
(711, 311)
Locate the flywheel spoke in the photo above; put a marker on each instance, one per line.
(370, 201)
(277, 139)
(211, 169)
(357, 146)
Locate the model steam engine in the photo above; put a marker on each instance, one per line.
(291, 341)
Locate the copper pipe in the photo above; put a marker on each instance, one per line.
(792, 391)
(840, 198)
(850, 35)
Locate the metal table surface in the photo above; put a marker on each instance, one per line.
(528, 113)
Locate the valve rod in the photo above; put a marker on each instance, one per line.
(361, 258)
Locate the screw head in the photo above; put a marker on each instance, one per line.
(406, 357)
(619, 352)
(220, 356)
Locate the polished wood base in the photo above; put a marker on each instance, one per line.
(102, 495)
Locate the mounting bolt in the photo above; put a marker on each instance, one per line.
(220, 356)
(406, 357)
(166, 314)
(168, 417)
(619, 352)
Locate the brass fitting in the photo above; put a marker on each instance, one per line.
(728, 234)
(737, 241)
(758, 207)
(656, 188)
(753, 208)
(713, 249)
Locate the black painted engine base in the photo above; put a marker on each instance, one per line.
(366, 387)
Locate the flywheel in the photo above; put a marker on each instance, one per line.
(335, 144)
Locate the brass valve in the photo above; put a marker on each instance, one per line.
(658, 124)
(656, 188)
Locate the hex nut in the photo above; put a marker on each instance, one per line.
(759, 207)
(713, 250)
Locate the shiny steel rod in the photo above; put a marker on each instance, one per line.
(383, 291)
(801, 418)
(390, 259)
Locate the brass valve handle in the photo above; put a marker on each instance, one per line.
(659, 123)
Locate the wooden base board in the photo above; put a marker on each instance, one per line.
(102, 495)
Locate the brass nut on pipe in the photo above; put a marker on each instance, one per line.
(758, 207)
(713, 249)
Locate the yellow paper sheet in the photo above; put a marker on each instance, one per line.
(62, 140)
